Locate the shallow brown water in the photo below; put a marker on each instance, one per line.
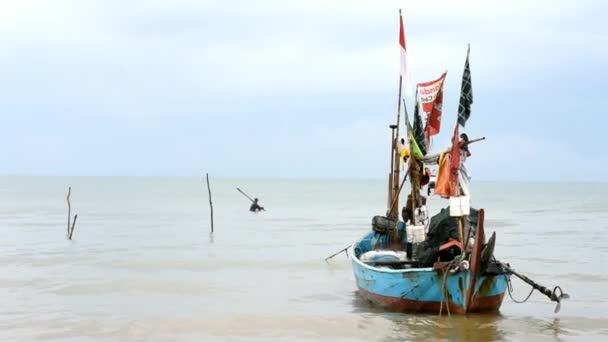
(143, 266)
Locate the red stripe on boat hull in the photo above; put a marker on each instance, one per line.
(483, 304)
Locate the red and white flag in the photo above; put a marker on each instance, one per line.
(431, 97)
(405, 74)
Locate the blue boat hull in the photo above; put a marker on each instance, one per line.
(427, 290)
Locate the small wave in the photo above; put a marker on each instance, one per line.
(538, 211)
(587, 277)
(500, 223)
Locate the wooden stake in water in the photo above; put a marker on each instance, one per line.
(70, 229)
(210, 202)
(69, 209)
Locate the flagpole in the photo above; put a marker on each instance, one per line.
(456, 183)
(466, 78)
(395, 163)
(428, 131)
(413, 175)
(412, 166)
(390, 175)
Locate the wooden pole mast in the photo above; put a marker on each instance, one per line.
(412, 166)
(394, 210)
(391, 179)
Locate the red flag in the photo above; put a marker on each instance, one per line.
(455, 163)
(435, 116)
(401, 33)
(431, 96)
(403, 57)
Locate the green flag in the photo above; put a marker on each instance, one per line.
(419, 129)
(415, 149)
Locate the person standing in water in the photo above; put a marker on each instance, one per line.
(255, 207)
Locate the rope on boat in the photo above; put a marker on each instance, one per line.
(444, 292)
(510, 288)
(444, 287)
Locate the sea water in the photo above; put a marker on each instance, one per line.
(143, 266)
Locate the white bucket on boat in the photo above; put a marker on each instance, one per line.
(415, 234)
(460, 206)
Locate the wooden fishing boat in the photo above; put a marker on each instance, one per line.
(442, 264)
(400, 285)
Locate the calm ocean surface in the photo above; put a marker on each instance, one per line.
(143, 266)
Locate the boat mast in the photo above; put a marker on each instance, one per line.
(390, 174)
(395, 163)
(412, 166)
(393, 209)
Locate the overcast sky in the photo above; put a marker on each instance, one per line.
(295, 88)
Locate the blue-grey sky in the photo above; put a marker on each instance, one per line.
(295, 88)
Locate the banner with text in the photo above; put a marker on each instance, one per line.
(428, 92)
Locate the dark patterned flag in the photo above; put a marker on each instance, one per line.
(466, 93)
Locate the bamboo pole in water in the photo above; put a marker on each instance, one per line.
(210, 202)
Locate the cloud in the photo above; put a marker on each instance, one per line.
(172, 86)
(291, 45)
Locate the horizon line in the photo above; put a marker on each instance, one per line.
(278, 178)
